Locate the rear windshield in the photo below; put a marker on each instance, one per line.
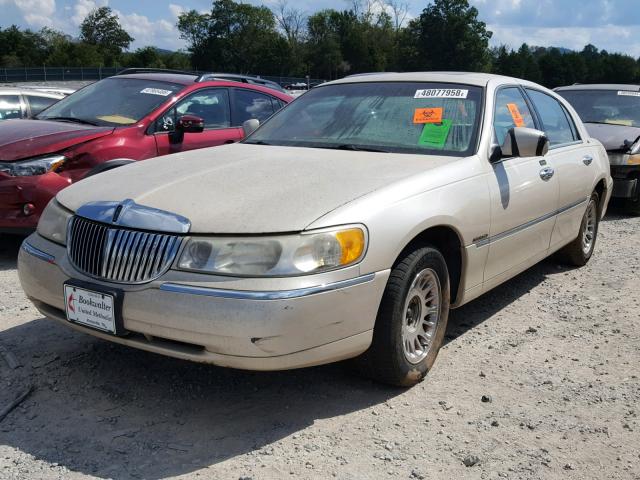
(113, 101)
(399, 117)
(615, 107)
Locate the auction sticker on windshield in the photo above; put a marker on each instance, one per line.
(442, 93)
(91, 309)
(156, 91)
(627, 93)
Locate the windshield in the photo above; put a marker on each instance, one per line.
(398, 117)
(112, 102)
(616, 107)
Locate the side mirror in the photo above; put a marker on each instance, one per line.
(522, 142)
(186, 124)
(250, 126)
(190, 124)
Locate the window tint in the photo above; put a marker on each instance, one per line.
(210, 105)
(554, 119)
(249, 104)
(38, 104)
(511, 111)
(10, 107)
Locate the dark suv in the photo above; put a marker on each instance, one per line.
(129, 117)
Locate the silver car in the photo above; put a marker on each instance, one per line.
(344, 227)
(25, 102)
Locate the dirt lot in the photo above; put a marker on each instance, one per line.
(554, 352)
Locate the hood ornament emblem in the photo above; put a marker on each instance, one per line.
(133, 215)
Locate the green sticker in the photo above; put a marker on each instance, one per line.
(434, 135)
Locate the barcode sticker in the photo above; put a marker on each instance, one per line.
(442, 93)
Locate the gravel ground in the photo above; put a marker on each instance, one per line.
(539, 379)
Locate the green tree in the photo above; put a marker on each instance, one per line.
(102, 28)
(235, 37)
(448, 36)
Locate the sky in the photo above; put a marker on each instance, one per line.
(608, 24)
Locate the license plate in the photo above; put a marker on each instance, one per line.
(90, 308)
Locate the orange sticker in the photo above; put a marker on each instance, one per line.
(428, 115)
(515, 114)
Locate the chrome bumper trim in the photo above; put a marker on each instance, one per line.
(266, 295)
(31, 250)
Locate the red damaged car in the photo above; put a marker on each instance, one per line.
(129, 117)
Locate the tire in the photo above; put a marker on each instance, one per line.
(579, 251)
(105, 167)
(401, 324)
(632, 205)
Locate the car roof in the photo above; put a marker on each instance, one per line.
(189, 80)
(48, 93)
(600, 86)
(179, 78)
(469, 78)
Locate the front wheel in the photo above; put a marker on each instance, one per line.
(633, 204)
(411, 321)
(581, 249)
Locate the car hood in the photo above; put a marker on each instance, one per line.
(250, 188)
(613, 136)
(21, 139)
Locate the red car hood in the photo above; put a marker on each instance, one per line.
(21, 139)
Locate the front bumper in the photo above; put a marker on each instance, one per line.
(15, 192)
(625, 181)
(276, 324)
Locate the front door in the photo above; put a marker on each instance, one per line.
(213, 106)
(524, 197)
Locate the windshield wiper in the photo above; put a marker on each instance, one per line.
(607, 123)
(70, 119)
(257, 142)
(352, 147)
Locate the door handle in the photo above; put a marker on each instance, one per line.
(587, 159)
(547, 173)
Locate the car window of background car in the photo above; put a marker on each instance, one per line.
(114, 101)
(615, 107)
(381, 114)
(38, 103)
(10, 107)
(554, 119)
(210, 105)
(511, 111)
(249, 104)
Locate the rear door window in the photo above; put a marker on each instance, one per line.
(554, 118)
(10, 107)
(511, 110)
(38, 103)
(249, 104)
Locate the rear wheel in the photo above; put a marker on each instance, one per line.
(581, 249)
(411, 321)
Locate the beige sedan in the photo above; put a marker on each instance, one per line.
(344, 227)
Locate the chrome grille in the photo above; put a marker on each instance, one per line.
(119, 254)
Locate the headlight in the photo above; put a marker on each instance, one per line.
(633, 159)
(53, 222)
(34, 166)
(278, 255)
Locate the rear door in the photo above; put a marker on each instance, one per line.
(573, 161)
(523, 203)
(213, 105)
